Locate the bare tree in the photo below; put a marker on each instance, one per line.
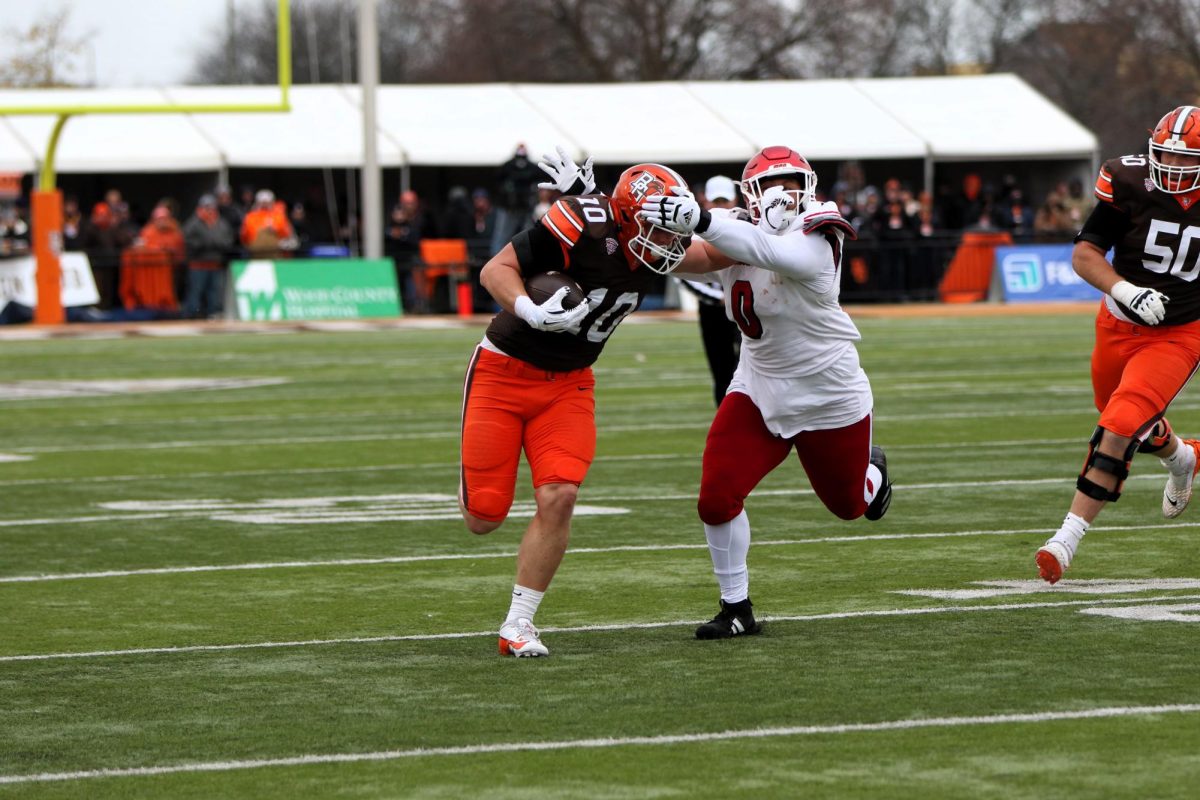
(43, 55)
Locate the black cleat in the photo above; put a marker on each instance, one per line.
(734, 619)
(883, 498)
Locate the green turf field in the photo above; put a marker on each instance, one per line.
(263, 590)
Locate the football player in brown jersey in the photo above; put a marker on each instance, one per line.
(529, 384)
(1148, 326)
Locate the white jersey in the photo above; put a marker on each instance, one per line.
(785, 290)
(798, 361)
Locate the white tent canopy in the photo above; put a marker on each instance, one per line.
(933, 119)
(980, 117)
(821, 119)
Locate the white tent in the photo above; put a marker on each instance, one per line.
(323, 129)
(931, 119)
(822, 119)
(471, 125)
(980, 117)
(623, 123)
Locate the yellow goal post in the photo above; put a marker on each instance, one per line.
(46, 201)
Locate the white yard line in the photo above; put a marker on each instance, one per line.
(631, 548)
(621, 626)
(1110, 712)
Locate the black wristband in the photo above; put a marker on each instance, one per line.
(704, 221)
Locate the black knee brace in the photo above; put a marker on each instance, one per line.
(1104, 463)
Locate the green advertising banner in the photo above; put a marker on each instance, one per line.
(313, 289)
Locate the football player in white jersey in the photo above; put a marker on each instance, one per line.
(798, 384)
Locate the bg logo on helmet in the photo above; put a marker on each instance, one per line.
(642, 184)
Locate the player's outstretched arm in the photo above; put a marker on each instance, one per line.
(794, 255)
(701, 259)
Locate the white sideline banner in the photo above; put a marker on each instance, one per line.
(18, 284)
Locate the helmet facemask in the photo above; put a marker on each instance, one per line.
(1170, 178)
(752, 188)
(657, 257)
(1177, 133)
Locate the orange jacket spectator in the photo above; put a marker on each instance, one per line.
(266, 225)
(162, 233)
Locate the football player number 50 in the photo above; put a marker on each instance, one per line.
(1163, 257)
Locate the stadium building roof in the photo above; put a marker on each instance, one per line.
(932, 119)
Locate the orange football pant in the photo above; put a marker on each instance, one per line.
(1137, 370)
(509, 404)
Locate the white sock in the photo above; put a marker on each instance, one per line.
(525, 602)
(873, 483)
(1181, 463)
(1070, 532)
(728, 544)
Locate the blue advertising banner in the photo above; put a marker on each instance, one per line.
(1039, 274)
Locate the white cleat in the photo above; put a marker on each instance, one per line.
(1053, 558)
(521, 639)
(1176, 498)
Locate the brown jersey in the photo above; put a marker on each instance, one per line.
(578, 235)
(1155, 236)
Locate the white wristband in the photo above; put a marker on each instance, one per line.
(527, 310)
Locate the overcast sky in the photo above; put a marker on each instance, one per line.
(134, 42)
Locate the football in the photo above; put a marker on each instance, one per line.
(541, 287)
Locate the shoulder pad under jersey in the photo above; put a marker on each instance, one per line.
(573, 218)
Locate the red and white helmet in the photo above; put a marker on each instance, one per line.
(1177, 132)
(775, 162)
(658, 248)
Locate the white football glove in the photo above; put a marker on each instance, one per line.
(678, 212)
(1149, 304)
(550, 315)
(564, 172)
(777, 209)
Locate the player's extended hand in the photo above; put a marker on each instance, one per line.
(778, 209)
(564, 173)
(1149, 304)
(825, 215)
(678, 212)
(550, 315)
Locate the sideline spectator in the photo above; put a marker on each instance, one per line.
(517, 180)
(14, 232)
(407, 226)
(298, 216)
(1078, 204)
(896, 232)
(72, 224)
(230, 211)
(456, 217)
(1053, 218)
(162, 233)
(209, 239)
(966, 209)
(483, 226)
(104, 237)
(1014, 214)
(266, 231)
